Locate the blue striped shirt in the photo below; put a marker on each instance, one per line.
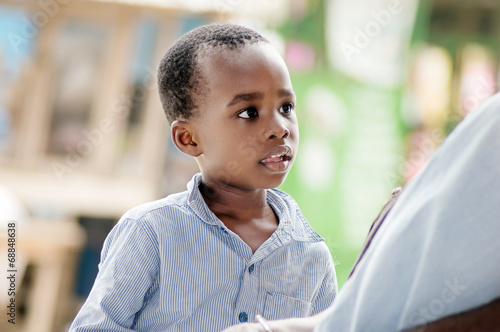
(172, 265)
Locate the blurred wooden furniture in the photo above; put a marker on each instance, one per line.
(51, 250)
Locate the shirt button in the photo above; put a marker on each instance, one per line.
(250, 268)
(243, 317)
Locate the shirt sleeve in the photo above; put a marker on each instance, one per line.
(328, 289)
(127, 271)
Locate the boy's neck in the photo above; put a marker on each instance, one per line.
(245, 212)
(226, 201)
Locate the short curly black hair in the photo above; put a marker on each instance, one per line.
(179, 77)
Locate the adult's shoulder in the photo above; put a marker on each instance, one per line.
(436, 254)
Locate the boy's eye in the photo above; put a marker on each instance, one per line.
(249, 113)
(287, 108)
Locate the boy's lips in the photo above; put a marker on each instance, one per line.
(278, 159)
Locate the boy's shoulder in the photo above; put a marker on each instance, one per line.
(162, 208)
(300, 227)
(311, 243)
(284, 201)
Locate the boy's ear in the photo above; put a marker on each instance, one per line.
(183, 137)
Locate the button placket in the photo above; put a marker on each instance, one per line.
(249, 294)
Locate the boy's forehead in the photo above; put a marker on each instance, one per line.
(223, 62)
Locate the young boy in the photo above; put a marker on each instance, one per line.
(230, 247)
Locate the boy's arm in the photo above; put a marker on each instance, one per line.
(128, 268)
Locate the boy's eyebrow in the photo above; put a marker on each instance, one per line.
(286, 93)
(245, 97)
(257, 95)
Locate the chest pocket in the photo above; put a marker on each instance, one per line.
(278, 306)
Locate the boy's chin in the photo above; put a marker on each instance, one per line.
(277, 180)
(247, 182)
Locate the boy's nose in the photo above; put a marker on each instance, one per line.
(277, 129)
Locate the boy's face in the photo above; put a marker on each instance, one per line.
(247, 128)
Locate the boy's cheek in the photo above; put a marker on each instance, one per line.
(247, 151)
(233, 167)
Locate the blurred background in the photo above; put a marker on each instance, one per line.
(83, 137)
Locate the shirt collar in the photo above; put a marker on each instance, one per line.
(197, 203)
(293, 224)
(292, 221)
